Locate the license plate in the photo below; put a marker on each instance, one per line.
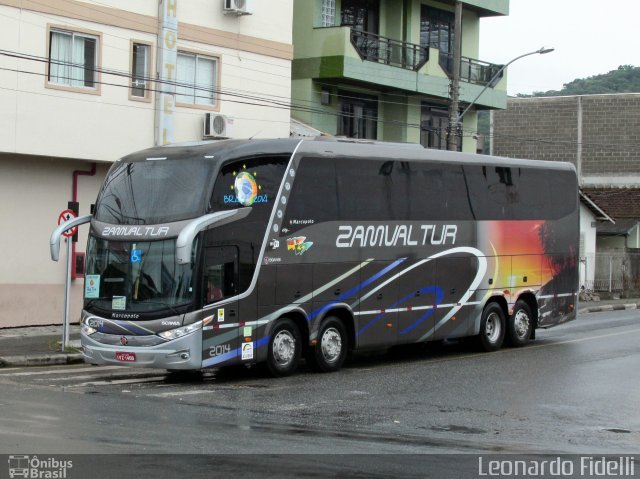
(126, 357)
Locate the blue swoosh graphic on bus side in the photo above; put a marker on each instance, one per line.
(429, 289)
(222, 358)
(355, 289)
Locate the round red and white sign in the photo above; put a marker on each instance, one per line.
(67, 215)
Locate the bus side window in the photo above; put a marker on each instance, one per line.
(220, 273)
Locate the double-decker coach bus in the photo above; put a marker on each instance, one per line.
(266, 251)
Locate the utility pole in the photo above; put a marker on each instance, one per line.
(453, 130)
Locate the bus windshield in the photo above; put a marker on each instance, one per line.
(136, 276)
(152, 192)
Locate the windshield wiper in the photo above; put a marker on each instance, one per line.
(93, 300)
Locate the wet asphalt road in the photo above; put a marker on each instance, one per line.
(575, 390)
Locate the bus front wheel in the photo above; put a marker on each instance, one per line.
(331, 350)
(492, 328)
(285, 346)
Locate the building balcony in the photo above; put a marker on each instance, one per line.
(345, 55)
(376, 48)
(471, 70)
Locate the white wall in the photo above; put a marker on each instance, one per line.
(43, 121)
(588, 242)
(47, 133)
(34, 190)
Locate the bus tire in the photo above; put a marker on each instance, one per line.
(520, 324)
(330, 352)
(492, 328)
(285, 346)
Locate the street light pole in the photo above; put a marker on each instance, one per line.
(540, 51)
(452, 130)
(490, 83)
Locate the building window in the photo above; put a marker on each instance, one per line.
(73, 59)
(433, 128)
(361, 15)
(196, 79)
(357, 115)
(437, 29)
(140, 65)
(328, 13)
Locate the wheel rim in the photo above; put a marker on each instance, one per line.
(521, 323)
(493, 327)
(331, 345)
(284, 348)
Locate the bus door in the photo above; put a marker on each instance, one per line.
(222, 335)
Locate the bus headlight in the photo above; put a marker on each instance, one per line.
(179, 332)
(88, 330)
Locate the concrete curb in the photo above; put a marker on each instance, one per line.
(609, 307)
(40, 360)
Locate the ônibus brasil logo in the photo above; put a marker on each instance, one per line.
(34, 467)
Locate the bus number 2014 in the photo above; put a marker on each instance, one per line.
(218, 350)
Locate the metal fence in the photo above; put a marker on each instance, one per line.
(376, 48)
(615, 272)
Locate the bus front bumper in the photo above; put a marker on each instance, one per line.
(184, 353)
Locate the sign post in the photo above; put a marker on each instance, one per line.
(65, 216)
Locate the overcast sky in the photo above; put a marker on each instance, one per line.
(590, 37)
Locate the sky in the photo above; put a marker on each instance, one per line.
(590, 37)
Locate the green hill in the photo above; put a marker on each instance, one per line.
(626, 79)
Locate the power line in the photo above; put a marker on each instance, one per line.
(88, 19)
(273, 104)
(218, 91)
(236, 96)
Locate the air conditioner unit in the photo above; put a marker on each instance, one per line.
(217, 126)
(238, 7)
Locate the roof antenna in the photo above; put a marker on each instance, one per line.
(256, 133)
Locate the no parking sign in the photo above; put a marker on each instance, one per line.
(65, 216)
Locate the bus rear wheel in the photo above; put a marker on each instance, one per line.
(492, 328)
(520, 324)
(285, 346)
(330, 352)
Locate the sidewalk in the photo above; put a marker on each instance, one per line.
(41, 345)
(38, 346)
(608, 305)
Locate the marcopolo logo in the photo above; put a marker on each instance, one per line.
(35, 467)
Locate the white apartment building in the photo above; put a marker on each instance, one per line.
(84, 82)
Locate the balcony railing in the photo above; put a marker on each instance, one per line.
(471, 71)
(410, 56)
(376, 48)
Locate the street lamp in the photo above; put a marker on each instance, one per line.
(540, 51)
(454, 105)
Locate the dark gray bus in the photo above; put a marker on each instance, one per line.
(267, 251)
